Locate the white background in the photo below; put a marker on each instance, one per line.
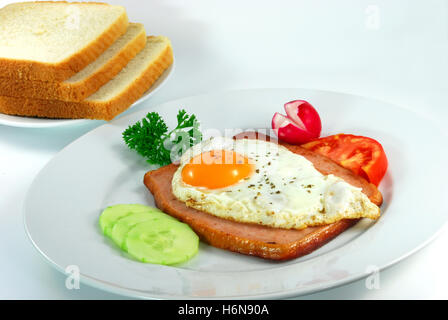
(392, 50)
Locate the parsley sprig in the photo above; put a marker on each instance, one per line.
(151, 139)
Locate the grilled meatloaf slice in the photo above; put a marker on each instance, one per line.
(252, 239)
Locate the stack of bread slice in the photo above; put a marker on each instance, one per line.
(75, 60)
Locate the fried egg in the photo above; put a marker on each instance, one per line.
(256, 181)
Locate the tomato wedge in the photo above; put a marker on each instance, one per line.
(362, 155)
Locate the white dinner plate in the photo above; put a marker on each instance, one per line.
(34, 122)
(66, 198)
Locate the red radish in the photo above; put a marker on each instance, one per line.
(304, 114)
(302, 123)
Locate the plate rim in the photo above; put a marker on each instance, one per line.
(132, 293)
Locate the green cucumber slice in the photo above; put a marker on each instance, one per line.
(121, 228)
(113, 213)
(162, 241)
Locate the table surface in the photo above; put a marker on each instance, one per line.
(394, 51)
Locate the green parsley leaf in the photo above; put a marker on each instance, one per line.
(151, 139)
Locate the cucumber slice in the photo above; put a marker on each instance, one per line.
(121, 228)
(111, 214)
(162, 241)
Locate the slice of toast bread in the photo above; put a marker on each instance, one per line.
(55, 40)
(253, 239)
(89, 79)
(112, 98)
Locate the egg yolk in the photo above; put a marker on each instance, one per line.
(216, 169)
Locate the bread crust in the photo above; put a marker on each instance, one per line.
(33, 70)
(253, 239)
(88, 109)
(74, 91)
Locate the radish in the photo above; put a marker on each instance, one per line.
(301, 124)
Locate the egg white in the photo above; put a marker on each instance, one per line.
(284, 191)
